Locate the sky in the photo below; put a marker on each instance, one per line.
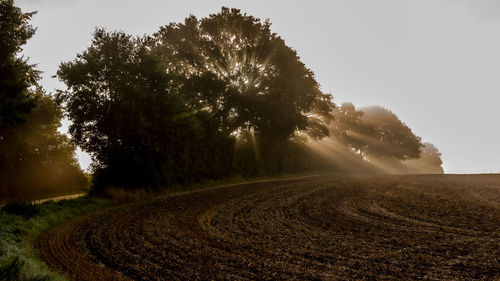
(434, 63)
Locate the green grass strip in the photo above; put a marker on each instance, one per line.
(21, 225)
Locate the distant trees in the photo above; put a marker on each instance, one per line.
(35, 159)
(212, 97)
(429, 162)
(394, 138)
(373, 139)
(375, 132)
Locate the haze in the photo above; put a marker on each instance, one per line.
(435, 64)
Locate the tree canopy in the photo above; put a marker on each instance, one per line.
(16, 74)
(429, 162)
(135, 118)
(273, 94)
(142, 106)
(376, 132)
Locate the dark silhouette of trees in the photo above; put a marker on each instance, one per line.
(203, 99)
(136, 119)
(254, 155)
(35, 159)
(16, 75)
(159, 110)
(273, 93)
(208, 98)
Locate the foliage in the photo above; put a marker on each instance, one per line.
(258, 156)
(429, 162)
(11, 270)
(271, 92)
(16, 75)
(36, 159)
(374, 140)
(395, 139)
(134, 119)
(210, 98)
(142, 106)
(375, 132)
(18, 258)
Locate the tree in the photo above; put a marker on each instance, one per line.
(16, 75)
(350, 129)
(35, 159)
(394, 138)
(133, 117)
(272, 93)
(375, 132)
(429, 162)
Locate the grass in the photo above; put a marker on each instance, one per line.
(22, 222)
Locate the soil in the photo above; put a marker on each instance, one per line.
(434, 227)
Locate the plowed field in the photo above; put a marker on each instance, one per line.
(443, 227)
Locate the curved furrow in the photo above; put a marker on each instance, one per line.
(315, 228)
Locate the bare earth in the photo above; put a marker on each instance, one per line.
(439, 227)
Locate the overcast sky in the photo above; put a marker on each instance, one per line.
(434, 63)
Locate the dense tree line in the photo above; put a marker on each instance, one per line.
(203, 99)
(141, 124)
(197, 100)
(35, 159)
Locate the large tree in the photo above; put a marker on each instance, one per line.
(134, 118)
(16, 74)
(272, 93)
